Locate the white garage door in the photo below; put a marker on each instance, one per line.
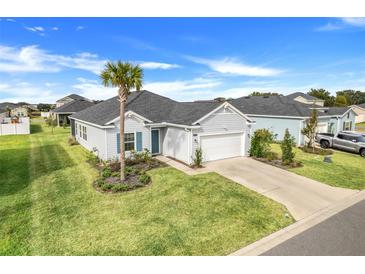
(215, 147)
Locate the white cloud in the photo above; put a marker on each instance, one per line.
(329, 27)
(80, 28)
(233, 67)
(354, 21)
(10, 20)
(157, 65)
(93, 90)
(26, 92)
(39, 30)
(179, 86)
(33, 59)
(55, 28)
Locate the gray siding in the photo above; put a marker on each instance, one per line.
(132, 125)
(279, 125)
(96, 138)
(223, 121)
(350, 117)
(176, 144)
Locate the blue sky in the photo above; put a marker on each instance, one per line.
(43, 59)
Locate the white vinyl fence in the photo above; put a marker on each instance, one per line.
(7, 128)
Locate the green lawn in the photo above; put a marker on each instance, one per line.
(347, 169)
(49, 207)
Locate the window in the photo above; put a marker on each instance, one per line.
(75, 129)
(84, 133)
(340, 136)
(80, 132)
(347, 125)
(128, 141)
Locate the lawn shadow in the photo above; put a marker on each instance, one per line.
(15, 171)
(35, 128)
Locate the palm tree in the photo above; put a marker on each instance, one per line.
(125, 76)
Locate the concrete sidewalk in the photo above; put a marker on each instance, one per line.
(182, 167)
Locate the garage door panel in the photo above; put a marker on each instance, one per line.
(215, 147)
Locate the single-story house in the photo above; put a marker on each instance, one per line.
(278, 113)
(360, 113)
(176, 129)
(69, 98)
(164, 126)
(63, 112)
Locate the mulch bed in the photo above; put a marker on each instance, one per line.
(135, 176)
(278, 163)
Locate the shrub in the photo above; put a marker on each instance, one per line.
(115, 174)
(260, 143)
(138, 157)
(99, 182)
(120, 187)
(144, 179)
(106, 172)
(107, 186)
(129, 170)
(72, 141)
(287, 148)
(198, 157)
(271, 156)
(114, 165)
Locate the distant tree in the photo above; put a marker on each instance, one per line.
(323, 94)
(8, 110)
(44, 107)
(341, 101)
(258, 93)
(353, 97)
(23, 103)
(287, 148)
(220, 99)
(309, 130)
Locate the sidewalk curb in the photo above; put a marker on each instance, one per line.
(286, 233)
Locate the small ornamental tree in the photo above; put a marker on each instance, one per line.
(287, 148)
(198, 159)
(260, 143)
(309, 130)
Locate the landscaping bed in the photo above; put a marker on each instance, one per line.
(135, 173)
(316, 150)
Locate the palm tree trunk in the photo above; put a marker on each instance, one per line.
(121, 125)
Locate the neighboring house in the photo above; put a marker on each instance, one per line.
(164, 126)
(63, 112)
(69, 98)
(360, 113)
(19, 110)
(278, 113)
(305, 99)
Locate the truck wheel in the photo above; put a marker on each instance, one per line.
(362, 152)
(325, 144)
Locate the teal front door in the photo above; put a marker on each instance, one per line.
(155, 136)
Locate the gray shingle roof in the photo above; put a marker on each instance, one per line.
(362, 105)
(304, 95)
(159, 109)
(73, 106)
(152, 106)
(4, 105)
(74, 96)
(279, 106)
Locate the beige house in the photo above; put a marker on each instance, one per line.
(306, 99)
(68, 99)
(21, 111)
(360, 113)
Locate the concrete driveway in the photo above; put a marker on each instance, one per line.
(302, 196)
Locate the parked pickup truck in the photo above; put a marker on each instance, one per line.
(350, 141)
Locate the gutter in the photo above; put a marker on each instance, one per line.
(91, 124)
